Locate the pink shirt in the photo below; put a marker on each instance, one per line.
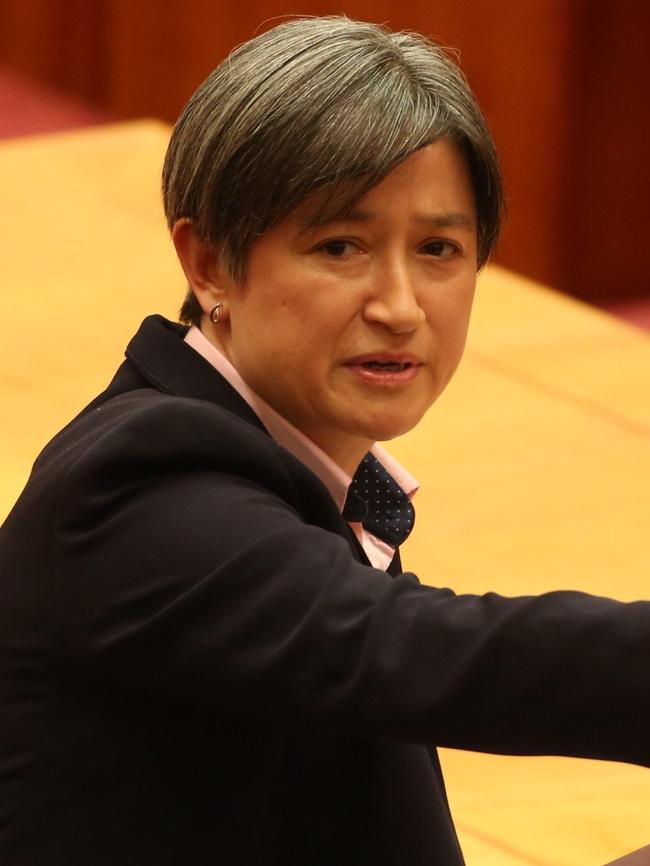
(333, 477)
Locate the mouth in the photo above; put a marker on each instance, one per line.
(384, 369)
(387, 366)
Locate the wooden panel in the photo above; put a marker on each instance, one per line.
(61, 43)
(607, 184)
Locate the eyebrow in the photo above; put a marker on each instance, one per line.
(452, 219)
(444, 220)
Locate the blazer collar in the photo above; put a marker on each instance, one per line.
(159, 354)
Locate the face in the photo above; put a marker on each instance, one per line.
(352, 329)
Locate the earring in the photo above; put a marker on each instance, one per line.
(215, 313)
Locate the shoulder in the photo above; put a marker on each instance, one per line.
(146, 439)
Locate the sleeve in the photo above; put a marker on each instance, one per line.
(206, 587)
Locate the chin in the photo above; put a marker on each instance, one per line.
(386, 428)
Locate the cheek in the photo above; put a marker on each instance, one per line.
(273, 337)
(449, 325)
(460, 323)
(449, 319)
(459, 307)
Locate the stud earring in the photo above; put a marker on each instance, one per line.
(215, 313)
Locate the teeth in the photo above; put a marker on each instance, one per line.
(392, 366)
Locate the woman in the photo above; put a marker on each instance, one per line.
(210, 651)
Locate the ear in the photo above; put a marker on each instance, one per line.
(201, 265)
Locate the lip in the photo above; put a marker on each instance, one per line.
(376, 376)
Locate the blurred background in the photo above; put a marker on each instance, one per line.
(563, 83)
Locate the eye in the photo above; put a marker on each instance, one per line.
(440, 249)
(338, 248)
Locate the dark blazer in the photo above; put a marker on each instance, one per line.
(199, 666)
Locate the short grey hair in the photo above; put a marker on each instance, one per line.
(317, 104)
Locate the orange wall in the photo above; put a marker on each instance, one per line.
(563, 84)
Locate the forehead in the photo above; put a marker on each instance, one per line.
(432, 185)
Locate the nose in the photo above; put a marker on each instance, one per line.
(393, 300)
